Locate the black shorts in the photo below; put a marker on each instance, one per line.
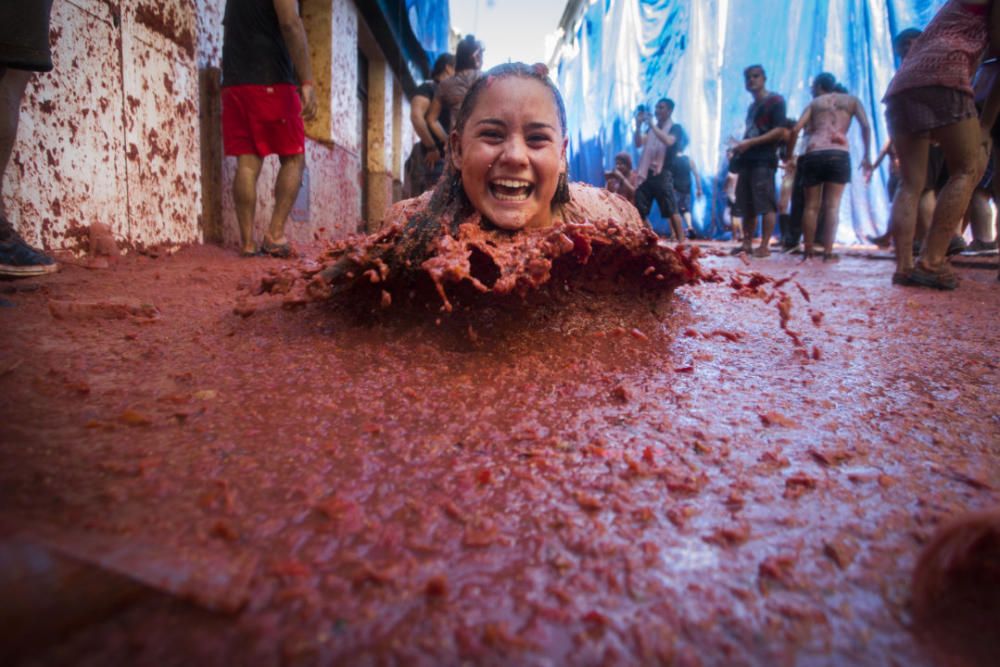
(657, 188)
(683, 200)
(755, 191)
(830, 166)
(24, 35)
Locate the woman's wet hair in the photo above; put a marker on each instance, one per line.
(826, 82)
(443, 62)
(465, 53)
(449, 196)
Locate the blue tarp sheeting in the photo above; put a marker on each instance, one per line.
(430, 20)
(627, 52)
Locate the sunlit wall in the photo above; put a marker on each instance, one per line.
(625, 52)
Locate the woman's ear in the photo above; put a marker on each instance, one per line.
(455, 149)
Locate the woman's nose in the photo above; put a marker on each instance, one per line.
(515, 150)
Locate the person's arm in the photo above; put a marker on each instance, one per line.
(639, 137)
(697, 178)
(666, 137)
(625, 184)
(418, 116)
(791, 141)
(434, 121)
(866, 137)
(804, 120)
(773, 135)
(298, 48)
(878, 160)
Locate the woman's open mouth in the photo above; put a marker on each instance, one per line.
(508, 189)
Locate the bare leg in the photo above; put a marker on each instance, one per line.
(12, 85)
(925, 211)
(749, 227)
(736, 223)
(767, 229)
(966, 159)
(912, 153)
(286, 189)
(832, 192)
(810, 212)
(245, 197)
(677, 226)
(982, 216)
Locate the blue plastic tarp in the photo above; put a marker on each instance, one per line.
(627, 52)
(430, 21)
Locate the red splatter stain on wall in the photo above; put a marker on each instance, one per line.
(154, 18)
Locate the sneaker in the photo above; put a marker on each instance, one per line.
(882, 240)
(955, 246)
(982, 246)
(20, 260)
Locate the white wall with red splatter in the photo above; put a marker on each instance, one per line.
(113, 133)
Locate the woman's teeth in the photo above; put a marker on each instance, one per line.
(510, 190)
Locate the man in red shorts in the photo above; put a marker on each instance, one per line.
(263, 109)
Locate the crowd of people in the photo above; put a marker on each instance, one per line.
(940, 112)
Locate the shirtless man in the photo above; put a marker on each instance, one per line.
(826, 165)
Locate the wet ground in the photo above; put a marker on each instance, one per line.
(608, 478)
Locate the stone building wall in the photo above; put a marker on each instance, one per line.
(126, 131)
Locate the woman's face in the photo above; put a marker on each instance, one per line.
(511, 153)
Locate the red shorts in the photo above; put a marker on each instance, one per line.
(261, 120)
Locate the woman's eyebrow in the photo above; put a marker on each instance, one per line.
(491, 121)
(538, 125)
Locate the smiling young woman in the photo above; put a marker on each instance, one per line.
(502, 220)
(511, 152)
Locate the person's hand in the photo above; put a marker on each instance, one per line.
(309, 104)
(431, 156)
(866, 169)
(739, 147)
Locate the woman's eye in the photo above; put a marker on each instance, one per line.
(538, 139)
(491, 134)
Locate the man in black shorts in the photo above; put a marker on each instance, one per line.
(755, 160)
(660, 143)
(24, 48)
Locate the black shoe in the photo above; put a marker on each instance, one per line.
(20, 260)
(882, 241)
(982, 246)
(955, 246)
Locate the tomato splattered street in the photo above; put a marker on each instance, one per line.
(742, 473)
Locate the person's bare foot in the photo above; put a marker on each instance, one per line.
(762, 252)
